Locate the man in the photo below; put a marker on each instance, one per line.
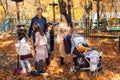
(37, 19)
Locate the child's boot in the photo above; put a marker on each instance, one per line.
(36, 72)
(41, 66)
(37, 66)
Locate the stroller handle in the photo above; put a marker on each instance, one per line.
(90, 49)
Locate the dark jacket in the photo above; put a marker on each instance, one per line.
(41, 21)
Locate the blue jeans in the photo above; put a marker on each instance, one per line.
(51, 45)
(51, 42)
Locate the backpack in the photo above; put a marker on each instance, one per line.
(67, 44)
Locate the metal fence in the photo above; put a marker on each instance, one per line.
(108, 31)
(10, 24)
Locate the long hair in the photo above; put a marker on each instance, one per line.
(68, 19)
(37, 28)
(48, 25)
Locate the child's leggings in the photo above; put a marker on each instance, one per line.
(39, 66)
(22, 62)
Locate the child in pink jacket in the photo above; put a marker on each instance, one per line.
(41, 48)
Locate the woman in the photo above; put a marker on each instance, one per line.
(65, 28)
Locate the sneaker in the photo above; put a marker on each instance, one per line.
(35, 73)
(16, 71)
(42, 72)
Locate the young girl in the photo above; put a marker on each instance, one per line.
(41, 48)
(50, 41)
(24, 50)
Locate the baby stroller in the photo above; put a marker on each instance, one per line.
(86, 58)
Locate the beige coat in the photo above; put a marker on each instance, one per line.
(63, 30)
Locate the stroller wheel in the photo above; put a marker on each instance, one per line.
(73, 69)
(100, 70)
(92, 73)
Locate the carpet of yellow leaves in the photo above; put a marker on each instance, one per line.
(110, 62)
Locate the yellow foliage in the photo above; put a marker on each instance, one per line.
(1, 8)
(1, 13)
(29, 8)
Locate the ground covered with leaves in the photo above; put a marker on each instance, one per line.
(110, 62)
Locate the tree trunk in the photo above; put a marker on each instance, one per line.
(3, 6)
(7, 10)
(18, 13)
(69, 8)
(62, 6)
